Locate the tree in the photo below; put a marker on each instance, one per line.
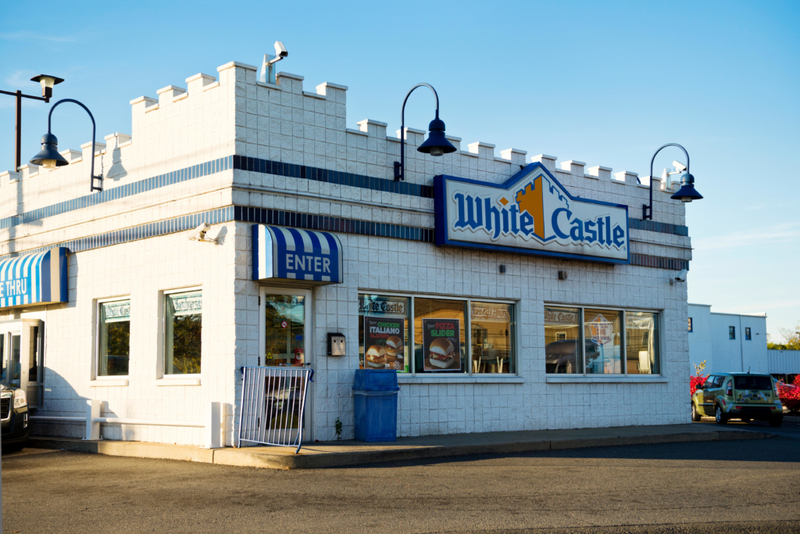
(792, 340)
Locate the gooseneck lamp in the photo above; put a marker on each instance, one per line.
(436, 144)
(686, 193)
(49, 158)
(47, 81)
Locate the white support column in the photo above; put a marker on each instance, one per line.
(92, 427)
(214, 426)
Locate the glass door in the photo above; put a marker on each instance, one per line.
(285, 328)
(22, 357)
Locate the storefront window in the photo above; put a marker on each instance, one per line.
(436, 328)
(641, 346)
(439, 336)
(383, 333)
(113, 354)
(184, 321)
(602, 331)
(596, 347)
(492, 337)
(562, 337)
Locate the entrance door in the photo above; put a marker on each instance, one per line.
(286, 341)
(22, 357)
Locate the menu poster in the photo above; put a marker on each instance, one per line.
(440, 344)
(383, 343)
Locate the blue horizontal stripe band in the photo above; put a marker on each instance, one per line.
(265, 167)
(287, 219)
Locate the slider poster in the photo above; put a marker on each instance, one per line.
(441, 335)
(377, 330)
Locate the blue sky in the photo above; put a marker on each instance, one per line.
(606, 83)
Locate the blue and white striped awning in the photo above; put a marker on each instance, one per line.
(34, 279)
(294, 254)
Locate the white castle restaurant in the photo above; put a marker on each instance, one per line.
(242, 222)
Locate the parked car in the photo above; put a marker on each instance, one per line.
(13, 418)
(743, 396)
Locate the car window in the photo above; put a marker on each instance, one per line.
(713, 381)
(752, 382)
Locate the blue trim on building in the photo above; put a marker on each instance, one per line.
(307, 172)
(142, 186)
(266, 167)
(660, 227)
(280, 218)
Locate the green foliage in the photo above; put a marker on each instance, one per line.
(186, 343)
(338, 426)
(792, 340)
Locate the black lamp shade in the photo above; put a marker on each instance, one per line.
(49, 156)
(436, 144)
(687, 192)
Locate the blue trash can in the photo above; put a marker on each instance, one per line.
(375, 399)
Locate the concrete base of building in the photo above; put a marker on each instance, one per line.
(345, 453)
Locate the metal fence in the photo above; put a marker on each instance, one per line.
(273, 403)
(783, 361)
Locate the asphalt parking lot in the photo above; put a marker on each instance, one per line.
(713, 486)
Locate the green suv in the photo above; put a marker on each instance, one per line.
(742, 396)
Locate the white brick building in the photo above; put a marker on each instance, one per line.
(533, 351)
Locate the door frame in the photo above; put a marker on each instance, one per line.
(23, 328)
(308, 343)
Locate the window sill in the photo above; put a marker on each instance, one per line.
(178, 381)
(620, 379)
(461, 379)
(108, 382)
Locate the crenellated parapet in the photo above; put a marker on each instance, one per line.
(235, 114)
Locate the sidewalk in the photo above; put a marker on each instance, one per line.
(348, 453)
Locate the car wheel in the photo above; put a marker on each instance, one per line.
(775, 421)
(695, 413)
(720, 416)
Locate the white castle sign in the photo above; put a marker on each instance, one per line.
(530, 213)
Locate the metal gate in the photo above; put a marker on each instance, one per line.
(273, 404)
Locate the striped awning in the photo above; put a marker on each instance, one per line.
(294, 254)
(34, 279)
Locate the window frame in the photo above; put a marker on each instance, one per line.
(187, 378)
(96, 376)
(624, 375)
(748, 336)
(453, 376)
(731, 333)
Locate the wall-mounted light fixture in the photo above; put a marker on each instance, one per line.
(436, 145)
(49, 158)
(686, 193)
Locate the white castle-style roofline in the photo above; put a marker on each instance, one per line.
(237, 114)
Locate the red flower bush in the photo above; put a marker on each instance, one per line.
(695, 380)
(790, 395)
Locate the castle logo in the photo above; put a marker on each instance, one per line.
(530, 213)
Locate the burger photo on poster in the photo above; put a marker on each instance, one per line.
(376, 357)
(441, 353)
(394, 352)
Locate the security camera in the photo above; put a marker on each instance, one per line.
(680, 167)
(199, 233)
(681, 276)
(280, 50)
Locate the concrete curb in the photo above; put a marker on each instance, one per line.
(273, 458)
